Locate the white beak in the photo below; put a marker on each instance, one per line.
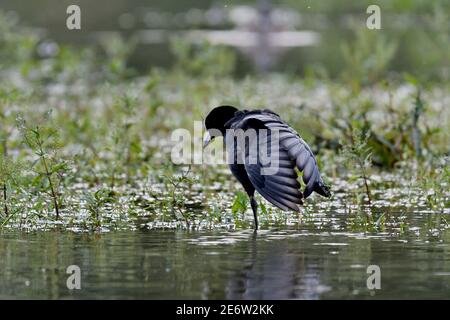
(207, 139)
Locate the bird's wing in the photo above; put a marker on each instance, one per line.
(297, 151)
(271, 172)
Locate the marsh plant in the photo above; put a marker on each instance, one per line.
(435, 181)
(359, 157)
(416, 134)
(177, 184)
(118, 51)
(115, 133)
(125, 143)
(96, 203)
(9, 168)
(240, 204)
(47, 165)
(367, 57)
(9, 171)
(202, 59)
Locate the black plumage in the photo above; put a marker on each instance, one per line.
(279, 187)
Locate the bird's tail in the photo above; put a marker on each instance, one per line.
(322, 189)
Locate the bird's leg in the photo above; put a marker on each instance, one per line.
(254, 205)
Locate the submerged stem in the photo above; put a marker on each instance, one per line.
(366, 184)
(41, 154)
(5, 189)
(52, 189)
(367, 189)
(5, 199)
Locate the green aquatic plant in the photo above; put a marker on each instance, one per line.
(10, 175)
(116, 132)
(240, 204)
(367, 57)
(4, 163)
(434, 181)
(423, 137)
(17, 43)
(43, 140)
(202, 59)
(176, 201)
(96, 202)
(118, 51)
(359, 221)
(154, 101)
(9, 169)
(214, 215)
(416, 134)
(359, 155)
(7, 173)
(125, 143)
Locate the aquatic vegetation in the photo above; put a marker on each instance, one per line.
(96, 203)
(5, 163)
(117, 51)
(366, 58)
(177, 200)
(202, 59)
(17, 42)
(101, 159)
(240, 204)
(49, 168)
(359, 155)
(6, 175)
(125, 143)
(88, 177)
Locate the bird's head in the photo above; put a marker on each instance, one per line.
(215, 122)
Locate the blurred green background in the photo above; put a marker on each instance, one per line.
(414, 38)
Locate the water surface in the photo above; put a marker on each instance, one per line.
(285, 263)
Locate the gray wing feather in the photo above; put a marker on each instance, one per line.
(282, 188)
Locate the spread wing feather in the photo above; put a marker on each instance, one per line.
(281, 188)
(277, 184)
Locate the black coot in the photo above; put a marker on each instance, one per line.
(280, 187)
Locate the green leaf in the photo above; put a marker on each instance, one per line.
(263, 208)
(240, 203)
(58, 167)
